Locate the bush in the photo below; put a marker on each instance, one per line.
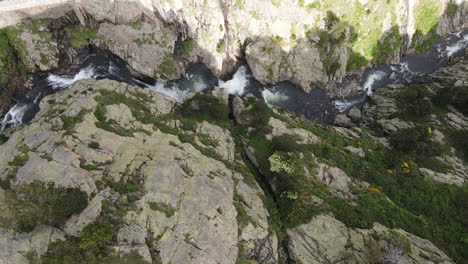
(36, 203)
(459, 140)
(257, 115)
(416, 140)
(205, 107)
(287, 143)
(414, 103)
(92, 246)
(456, 96)
(93, 145)
(96, 237)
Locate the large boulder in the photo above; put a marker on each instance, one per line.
(327, 240)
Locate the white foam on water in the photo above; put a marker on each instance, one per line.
(198, 84)
(457, 46)
(113, 69)
(238, 83)
(458, 34)
(371, 79)
(61, 82)
(14, 117)
(172, 91)
(273, 97)
(343, 105)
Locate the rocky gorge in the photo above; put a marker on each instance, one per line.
(108, 172)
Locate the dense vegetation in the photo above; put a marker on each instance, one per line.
(29, 205)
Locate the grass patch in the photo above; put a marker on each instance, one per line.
(168, 210)
(70, 122)
(39, 203)
(93, 145)
(81, 36)
(168, 66)
(452, 9)
(207, 140)
(187, 47)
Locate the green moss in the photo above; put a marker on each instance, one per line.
(276, 2)
(355, 61)
(186, 169)
(189, 124)
(414, 103)
(243, 218)
(3, 139)
(452, 9)
(69, 123)
(93, 145)
(422, 42)
(426, 20)
(255, 14)
(19, 161)
(205, 107)
(96, 237)
(168, 66)
(314, 5)
(427, 15)
(206, 140)
(38, 203)
(385, 49)
(168, 210)
(122, 187)
(187, 47)
(240, 4)
(81, 36)
(12, 54)
(221, 47)
(87, 166)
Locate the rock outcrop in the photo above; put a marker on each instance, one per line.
(189, 201)
(327, 240)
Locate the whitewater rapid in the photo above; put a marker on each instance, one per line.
(410, 67)
(284, 94)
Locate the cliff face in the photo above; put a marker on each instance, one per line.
(139, 178)
(306, 42)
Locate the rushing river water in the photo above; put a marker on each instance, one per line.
(313, 105)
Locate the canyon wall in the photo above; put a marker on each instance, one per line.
(305, 42)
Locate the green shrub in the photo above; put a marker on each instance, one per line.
(162, 207)
(456, 96)
(122, 187)
(96, 237)
(93, 145)
(66, 252)
(187, 47)
(355, 61)
(459, 140)
(257, 115)
(207, 140)
(70, 122)
(189, 124)
(19, 161)
(205, 107)
(287, 143)
(414, 102)
(416, 141)
(452, 9)
(92, 246)
(36, 203)
(3, 139)
(87, 166)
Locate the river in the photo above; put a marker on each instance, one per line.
(315, 105)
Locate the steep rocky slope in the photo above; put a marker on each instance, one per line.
(111, 173)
